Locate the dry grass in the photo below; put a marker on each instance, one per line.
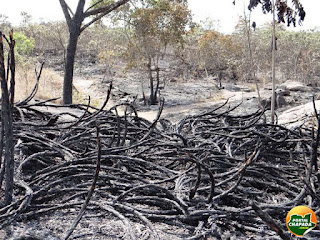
(252, 87)
(50, 86)
(217, 97)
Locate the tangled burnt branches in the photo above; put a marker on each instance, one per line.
(206, 176)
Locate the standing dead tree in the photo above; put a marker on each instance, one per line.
(7, 98)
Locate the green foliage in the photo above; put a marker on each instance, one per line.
(48, 36)
(162, 19)
(112, 17)
(24, 45)
(99, 3)
(155, 25)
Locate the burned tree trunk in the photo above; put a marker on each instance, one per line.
(74, 21)
(6, 117)
(158, 82)
(152, 96)
(69, 64)
(153, 89)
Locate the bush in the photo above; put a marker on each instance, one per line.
(24, 45)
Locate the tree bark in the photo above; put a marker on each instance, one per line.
(74, 22)
(69, 66)
(158, 83)
(6, 117)
(152, 100)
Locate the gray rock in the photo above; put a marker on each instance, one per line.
(232, 87)
(280, 102)
(294, 86)
(298, 115)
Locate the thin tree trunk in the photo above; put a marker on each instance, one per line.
(152, 98)
(273, 97)
(205, 69)
(158, 83)
(12, 67)
(69, 66)
(252, 68)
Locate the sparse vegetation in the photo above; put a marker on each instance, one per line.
(50, 85)
(203, 53)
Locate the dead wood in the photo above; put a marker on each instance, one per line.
(199, 175)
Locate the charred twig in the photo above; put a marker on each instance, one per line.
(35, 88)
(315, 142)
(269, 221)
(90, 193)
(155, 175)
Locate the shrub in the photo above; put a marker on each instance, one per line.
(24, 45)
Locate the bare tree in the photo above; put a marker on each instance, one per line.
(252, 67)
(75, 26)
(7, 98)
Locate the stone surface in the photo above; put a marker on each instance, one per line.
(294, 86)
(299, 115)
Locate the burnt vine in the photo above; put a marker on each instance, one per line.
(209, 173)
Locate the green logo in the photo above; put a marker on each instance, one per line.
(301, 220)
(299, 224)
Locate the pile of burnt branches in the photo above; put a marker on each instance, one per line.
(215, 174)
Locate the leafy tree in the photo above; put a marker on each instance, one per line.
(217, 52)
(109, 44)
(76, 26)
(187, 56)
(285, 13)
(155, 26)
(108, 59)
(24, 44)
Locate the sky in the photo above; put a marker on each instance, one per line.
(223, 13)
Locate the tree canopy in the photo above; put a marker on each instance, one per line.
(155, 25)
